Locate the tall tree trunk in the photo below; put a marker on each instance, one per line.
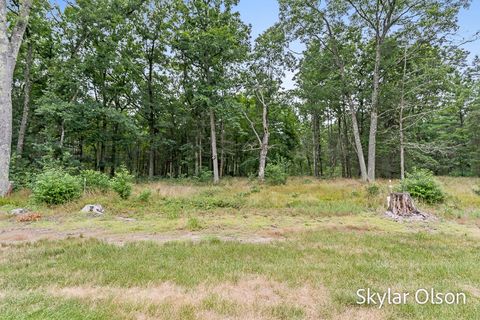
(213, 138)
(222, 146)
(372, 138)
(316, 144)
(400, 120)
(113, 156)
(103, 146)
(358, 145)
(343, 155)
(151, 120)
(151, 161)
(9, 47)
(26, 100)
(264, 144)
(5, 114)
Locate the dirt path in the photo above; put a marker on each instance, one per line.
(23, 235)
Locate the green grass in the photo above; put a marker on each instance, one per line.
(332, 240)
(340, 261)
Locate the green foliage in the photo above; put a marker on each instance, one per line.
(275, 174)
(194, 224)
(95, 180)
(145, 195)
(122, 183)
(373, 190)
(204, 176)
(21, 173)
(422, 185)
(55, 186)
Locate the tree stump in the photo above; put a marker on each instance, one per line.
(401, 204)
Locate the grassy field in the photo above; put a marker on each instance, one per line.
(238, 251)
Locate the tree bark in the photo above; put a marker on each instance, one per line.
(9, 47)
(316, 144)
(372, 138)
(113, 156)
(358, 145)
(264, 144)
(400, 120)
(5, 115)
(213, 138)
(401, 204)
(151, 120)
(26, 100)
(222, 146)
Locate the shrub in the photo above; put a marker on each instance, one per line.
(95, 181)
(275, 174)
(145, 195)
(422, 185)
(56, 187)
(122, 183)
(373, 190)
(204, 176)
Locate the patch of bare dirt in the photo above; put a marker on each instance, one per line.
(474, 291)
(20, 235)
(354, 228)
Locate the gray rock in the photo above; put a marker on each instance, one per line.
(18, 211)
(96, 209)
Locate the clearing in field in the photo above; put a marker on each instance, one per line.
(237, 251)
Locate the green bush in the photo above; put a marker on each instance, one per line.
(275, 174)
(422, 185)
(145, 195)
(122, 183)
(95, 180)
(373, 190)
(55, 186)
(204, 176)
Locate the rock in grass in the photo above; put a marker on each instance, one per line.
(96, 209)
(18, 211)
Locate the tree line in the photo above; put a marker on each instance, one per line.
(178, 88)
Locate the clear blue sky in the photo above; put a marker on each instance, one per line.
(261, 14)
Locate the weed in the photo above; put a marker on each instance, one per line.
(145, 195)
(193, 224)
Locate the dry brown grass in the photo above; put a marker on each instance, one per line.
(249, 298)
(29, 217)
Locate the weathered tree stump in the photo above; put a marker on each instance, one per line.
(401, 207)
(401, 204)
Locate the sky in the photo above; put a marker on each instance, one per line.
(261, 14)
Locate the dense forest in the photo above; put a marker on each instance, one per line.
(178, 88)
